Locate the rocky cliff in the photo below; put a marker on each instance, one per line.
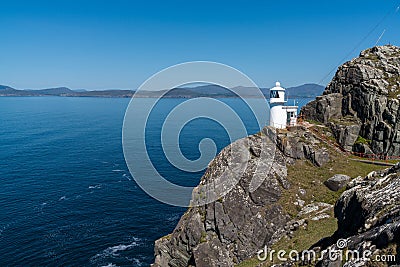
(361, 103)
(292, 209)
(313, 194)
(235, 227)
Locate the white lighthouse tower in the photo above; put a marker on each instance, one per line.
(281, 115)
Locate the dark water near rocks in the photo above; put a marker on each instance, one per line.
(66, 195)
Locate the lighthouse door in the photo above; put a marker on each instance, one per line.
(289, 114)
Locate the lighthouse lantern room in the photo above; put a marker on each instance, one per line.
(281, 115)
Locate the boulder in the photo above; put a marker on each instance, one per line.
(337, 182)
(318, 156)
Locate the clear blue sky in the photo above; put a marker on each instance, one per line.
(119, 44)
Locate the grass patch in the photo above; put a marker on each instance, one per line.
(393, 94)
(393, 161)
(362, 140)
(393, 80)
(203, 237)
(305, 238)
(252, 262)
(303, 174)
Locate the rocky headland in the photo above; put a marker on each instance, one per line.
(361, 103)
(314, 193)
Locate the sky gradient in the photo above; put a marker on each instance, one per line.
(119, 44)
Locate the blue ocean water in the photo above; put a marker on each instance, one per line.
(66, 195)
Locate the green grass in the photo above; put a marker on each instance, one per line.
(203, 237)
(393, 161)
(362, 140)
(305, 175)
(252, 262)
(303, 239)
(393, 80)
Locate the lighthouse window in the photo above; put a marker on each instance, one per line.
(274, 94)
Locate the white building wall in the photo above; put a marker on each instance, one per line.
(293, 117)
(277, 117)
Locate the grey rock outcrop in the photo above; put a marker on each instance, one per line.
(324, 108)
(363, 99)
(238, 224)
(337, 182)
(233, 228)
(299, 143)
(346, 131)
(362, 148)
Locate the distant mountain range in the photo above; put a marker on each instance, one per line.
(302, 91)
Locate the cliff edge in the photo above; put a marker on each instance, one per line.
(313, 194)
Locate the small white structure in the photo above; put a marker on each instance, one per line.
(281, 115)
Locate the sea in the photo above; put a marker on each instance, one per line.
(67, 197)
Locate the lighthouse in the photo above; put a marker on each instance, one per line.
(281, 115)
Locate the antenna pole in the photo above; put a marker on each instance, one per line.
(380, 37)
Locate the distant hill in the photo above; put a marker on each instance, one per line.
(106, 93)
(53, 91)
(4, 87)
(64, 91)
(306, 90)
(216, 91)
(6, 90)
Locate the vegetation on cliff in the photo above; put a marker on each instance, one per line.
(294, 209)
